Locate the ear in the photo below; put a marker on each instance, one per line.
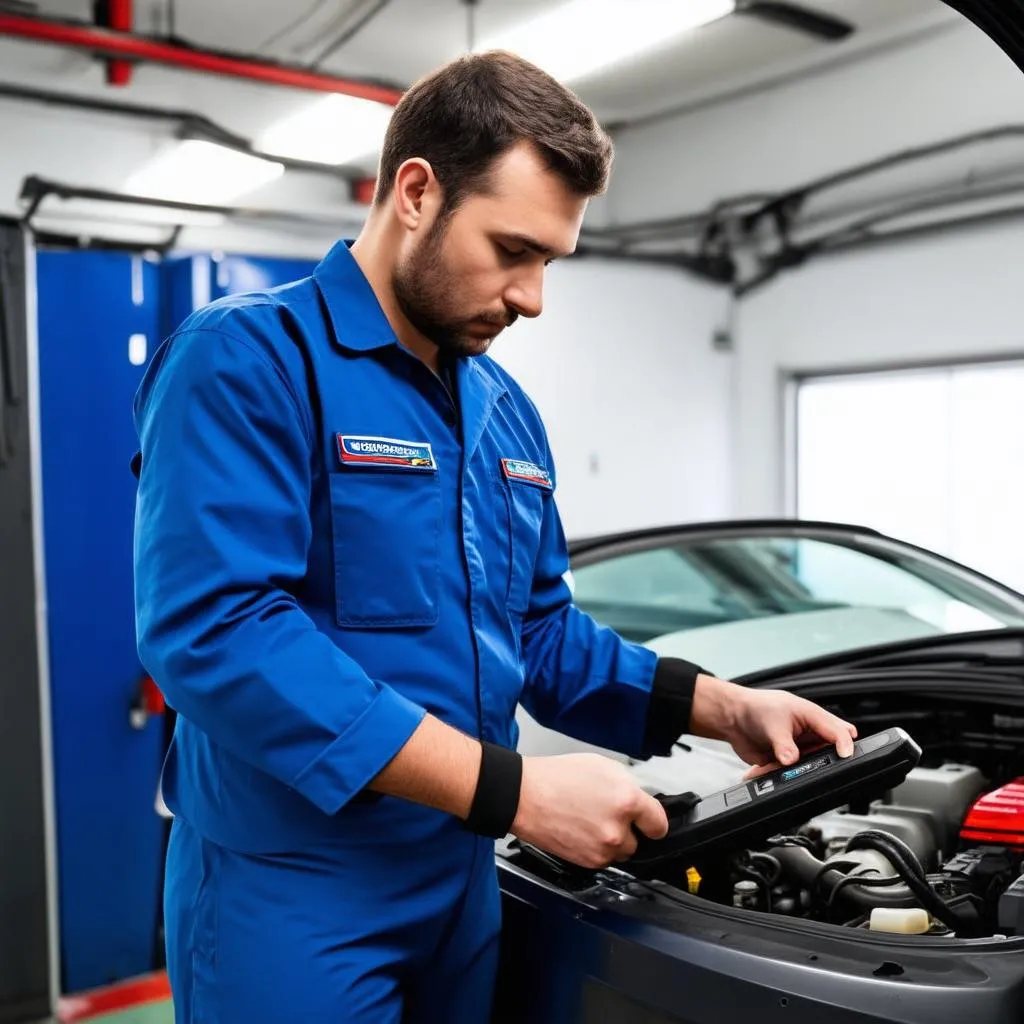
(416, 194)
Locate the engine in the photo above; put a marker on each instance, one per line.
(942, 854)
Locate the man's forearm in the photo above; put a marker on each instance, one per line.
(438, 766)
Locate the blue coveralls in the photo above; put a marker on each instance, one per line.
(327, 546)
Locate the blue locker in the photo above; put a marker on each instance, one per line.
(190, 282)
(98, 325)
(101, 317)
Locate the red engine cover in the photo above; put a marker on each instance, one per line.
(997, 817)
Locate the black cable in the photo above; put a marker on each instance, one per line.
(805, 841)
(906, 864)
(858, 880)
(350, 33)
(772, 863)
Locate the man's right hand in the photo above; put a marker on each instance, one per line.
(582, 808)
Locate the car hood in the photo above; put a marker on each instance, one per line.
(734, 649)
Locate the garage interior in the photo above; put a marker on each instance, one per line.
(799, 299)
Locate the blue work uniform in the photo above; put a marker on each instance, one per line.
(330, 543)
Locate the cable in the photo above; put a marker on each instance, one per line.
(805, 841)
(350, 33)
(771, 862)
(293, 24)
(905, 862)
(858, 880)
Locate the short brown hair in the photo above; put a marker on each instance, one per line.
(463, 116)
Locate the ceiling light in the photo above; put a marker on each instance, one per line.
(581, 36)
(333, 130)
(196, 171)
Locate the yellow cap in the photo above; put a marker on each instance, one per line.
(693, 880)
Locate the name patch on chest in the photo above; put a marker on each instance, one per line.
(356, 450)
(526, 472)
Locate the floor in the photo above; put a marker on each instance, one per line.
(153, 1013)
(142, 1000)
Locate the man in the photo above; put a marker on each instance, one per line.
(350, 570)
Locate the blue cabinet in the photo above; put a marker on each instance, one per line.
(101, 316)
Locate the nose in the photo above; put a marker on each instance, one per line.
(525, 294)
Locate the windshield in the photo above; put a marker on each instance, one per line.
(748, 603)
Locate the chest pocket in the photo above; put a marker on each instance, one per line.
(524, 490)
(387, 525)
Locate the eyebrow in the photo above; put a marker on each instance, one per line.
(532, 243)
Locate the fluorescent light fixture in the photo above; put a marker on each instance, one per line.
(196, 171)
(582, 36)
(99, 211)
(332, 130)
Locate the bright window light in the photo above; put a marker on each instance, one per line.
(581, 36)
(196, 171)
(332, 130)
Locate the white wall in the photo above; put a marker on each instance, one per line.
(951, 298)
(636, 400)
(948, 81)
(957, 296)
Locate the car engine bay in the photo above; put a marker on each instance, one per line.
(941, 854)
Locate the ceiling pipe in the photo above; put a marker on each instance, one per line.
(139, 49)
(118, 15)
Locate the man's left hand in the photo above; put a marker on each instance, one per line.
(767, 728)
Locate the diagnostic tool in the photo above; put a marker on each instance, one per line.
(752, 811)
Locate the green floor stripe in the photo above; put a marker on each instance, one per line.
(153, 1013)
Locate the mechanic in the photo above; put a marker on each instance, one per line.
(350, 570)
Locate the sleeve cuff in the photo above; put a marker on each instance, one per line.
(671, 701)
(361, 752)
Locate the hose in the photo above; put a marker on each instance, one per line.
(908, 867)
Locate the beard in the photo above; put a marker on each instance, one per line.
(424, 288)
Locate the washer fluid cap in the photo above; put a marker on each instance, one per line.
(900, 920)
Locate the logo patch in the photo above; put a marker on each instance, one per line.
(528, 472)
(354, 450)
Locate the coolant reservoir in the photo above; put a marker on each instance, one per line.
(900, 920)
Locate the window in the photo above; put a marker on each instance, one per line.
(932, 457)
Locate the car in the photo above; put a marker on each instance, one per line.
(787, 927)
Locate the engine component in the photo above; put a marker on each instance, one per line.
(862, 879)
(947, 793)
(908, 921)
(1011, 909)
(981, 875)
(917, 827)
(745, 894)
(998, 817)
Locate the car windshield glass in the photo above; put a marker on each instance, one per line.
(749, 603)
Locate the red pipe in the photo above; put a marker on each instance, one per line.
(140, 49)
(119, 17)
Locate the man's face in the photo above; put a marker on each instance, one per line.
(473, 273)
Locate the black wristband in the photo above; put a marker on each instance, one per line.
(671, 704)
(496, 800)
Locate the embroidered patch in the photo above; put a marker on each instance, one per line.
(355, 450)
(528, 472)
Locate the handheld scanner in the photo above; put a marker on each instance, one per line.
(746, 814)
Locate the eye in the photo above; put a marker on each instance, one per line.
(511, 254)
